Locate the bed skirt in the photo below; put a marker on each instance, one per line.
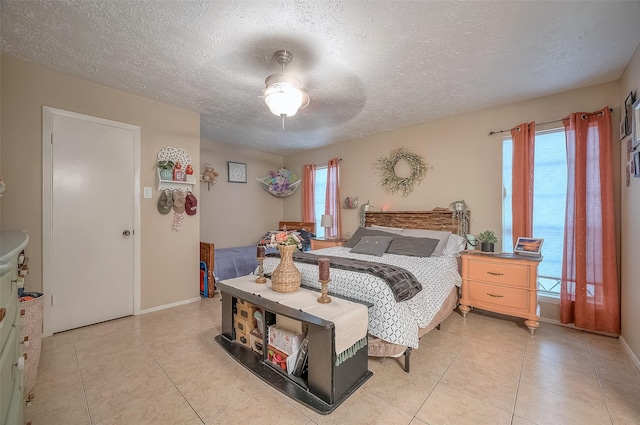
(381, 348)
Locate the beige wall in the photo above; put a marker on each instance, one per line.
(467, 163)
(0, 142)
(630, 225)
(237, 214)
(169, 259)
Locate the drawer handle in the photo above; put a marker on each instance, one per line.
(495, 296)
(496, 274)
(3, 312)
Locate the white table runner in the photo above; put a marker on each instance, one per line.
(349, 318)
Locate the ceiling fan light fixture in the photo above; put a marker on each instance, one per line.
(282, 93)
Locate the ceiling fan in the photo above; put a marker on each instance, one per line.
(282, 93)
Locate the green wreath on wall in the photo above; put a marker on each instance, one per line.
(390, 181)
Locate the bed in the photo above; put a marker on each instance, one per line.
(395, 327)
(227, 263)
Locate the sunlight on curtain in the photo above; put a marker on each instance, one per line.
(308, 192)
(589, 294)
(332, 202)
(522, 174)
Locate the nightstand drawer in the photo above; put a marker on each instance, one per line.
(499, 296)
(503, 273)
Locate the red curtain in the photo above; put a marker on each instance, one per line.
(308, 192)
(523, 137)
(589, 293)
(332, 202)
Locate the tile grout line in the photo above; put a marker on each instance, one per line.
(213, 342)
(445, 371)
(389, 403)
(515, 401)
(595, 368)
(167, 375)
(84, 391)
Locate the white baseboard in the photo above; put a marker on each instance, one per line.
(165, 306)
(552, 321)
(633, 356)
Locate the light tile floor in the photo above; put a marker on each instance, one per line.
(165, 368)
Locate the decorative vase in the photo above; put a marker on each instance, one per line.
(286, 277)
(166, 174)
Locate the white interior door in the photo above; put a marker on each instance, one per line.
(92, 221)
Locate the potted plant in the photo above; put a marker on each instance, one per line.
(487, 238)
(166, 169)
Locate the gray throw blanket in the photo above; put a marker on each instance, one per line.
(402, 282)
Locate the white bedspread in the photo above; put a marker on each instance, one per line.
(395, 322)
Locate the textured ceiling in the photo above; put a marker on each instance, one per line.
(369, 67)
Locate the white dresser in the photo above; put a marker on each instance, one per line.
(11, 359)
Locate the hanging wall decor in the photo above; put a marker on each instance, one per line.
(393, 183)
(281, 183)
(209, 176)
(461, 213)
(172, 164)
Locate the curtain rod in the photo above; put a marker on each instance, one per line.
(491, 133)
(326, 163)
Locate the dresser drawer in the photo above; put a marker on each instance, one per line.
(7, 285)
(498, 296)
(500, 272)
(10, 317)
(8, 372)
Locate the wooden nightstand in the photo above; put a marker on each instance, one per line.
(319, 243)
(502, 283)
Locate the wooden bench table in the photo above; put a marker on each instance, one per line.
(327, 384)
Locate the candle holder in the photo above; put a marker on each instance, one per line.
(324, 298)
(261, 278)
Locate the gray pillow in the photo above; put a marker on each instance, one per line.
(442, 236)
(364, 231)
(372, 245)
(413, 247)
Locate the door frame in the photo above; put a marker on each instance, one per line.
(47, 220)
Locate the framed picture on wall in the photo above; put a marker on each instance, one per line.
(635, 124)
(237, 172)
(628, 112)
(628, 174)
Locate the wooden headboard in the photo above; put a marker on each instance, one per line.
(309, 226)
(436, 219)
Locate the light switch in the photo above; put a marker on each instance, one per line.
(147, 193)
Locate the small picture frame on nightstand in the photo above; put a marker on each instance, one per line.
(528, 246)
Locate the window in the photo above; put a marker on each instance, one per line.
(320, 195)
(549, 204)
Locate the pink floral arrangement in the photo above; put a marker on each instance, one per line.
(285, 238)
